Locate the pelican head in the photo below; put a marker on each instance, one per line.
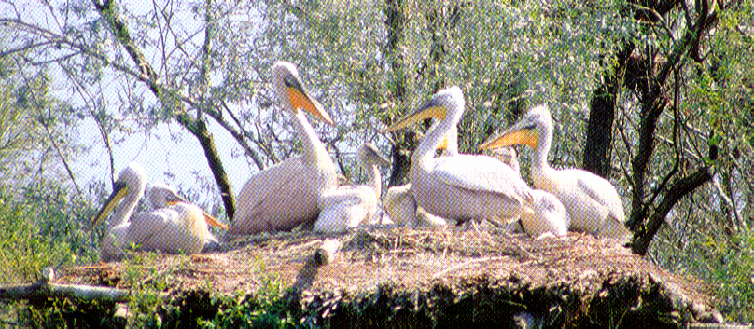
(367, 154)
(548, 206)
(293, 95)
(130, 185)
(535, 124)
(158, 194)
(445, 102)
(507, 155)
(173, 198)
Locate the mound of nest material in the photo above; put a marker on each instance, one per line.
(396, 277)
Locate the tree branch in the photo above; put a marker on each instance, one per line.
(44, 290)
(62, 157)
(171, 99)
(644, 235)
(653, 104)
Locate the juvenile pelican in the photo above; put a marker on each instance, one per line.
(285, 195)
(399, 202)
(182, 227)
(400, 205)
(160, 196)
(349, 206)
(545, 216)
(591, 201)
(508, 156)
(460, 187)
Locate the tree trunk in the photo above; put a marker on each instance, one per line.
(395, 24)
(599, 130)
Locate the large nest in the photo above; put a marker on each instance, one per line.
(405, 276)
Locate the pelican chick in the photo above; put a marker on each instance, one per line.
(350, 206)
(460, 187)
(180, 228)
(592, 203)
(285, 195)
(545, 216)
(159, 196)
(399, 202)
(400, 205)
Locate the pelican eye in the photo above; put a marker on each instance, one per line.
(291, 82)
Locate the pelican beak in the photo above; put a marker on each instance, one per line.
(375, 154)
(211, 220)
(301, 99)
(119, 191)
(443, 144)
(383, 161)
(517, 135)
(432, 109)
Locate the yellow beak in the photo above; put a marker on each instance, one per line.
(443, 144)
(515, 137)
(300, 99)
(429, 110)
(211, 220)
(119, 191)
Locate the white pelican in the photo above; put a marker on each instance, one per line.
(350, 206)
(400, 205)
(285, 195)
(592, 202)
(508, 156)
(399, 202)
(460, 187)
(161, 196)
(182, 227)
(545, 216)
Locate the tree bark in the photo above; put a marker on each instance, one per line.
(599, 131)
(395, 23)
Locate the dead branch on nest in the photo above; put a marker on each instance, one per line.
(44, 289)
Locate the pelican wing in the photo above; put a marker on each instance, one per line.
(278, 198)
(146, 227)
(602, 192)
(479, 173)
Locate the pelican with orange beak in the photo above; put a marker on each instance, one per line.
(460, 187)
(285, 195)
(592, 203)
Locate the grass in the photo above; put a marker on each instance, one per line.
(267, 308)
(730, 268)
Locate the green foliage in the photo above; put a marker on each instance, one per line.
(729, 267)
(725, 262)
(147, 283)
(265, 308)
(40, 227)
